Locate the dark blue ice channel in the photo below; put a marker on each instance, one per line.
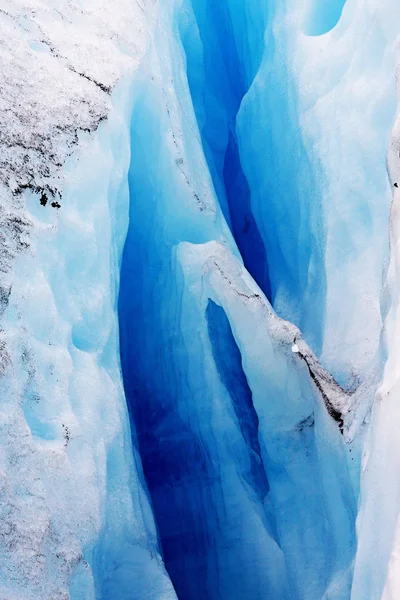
(205, 476)
(228, 362)
(218, 81)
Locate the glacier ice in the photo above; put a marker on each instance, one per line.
(75, 517)
(286, 457)
(75, 514)
(378, 521)
(194, 227)
(323, 16)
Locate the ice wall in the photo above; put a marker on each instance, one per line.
(347, 103)
(237, 62)
(258, 191)
(377, 572)
(75, 517)
(228, 204)
(242, 433)
(299, 191)
(209, 520)
(76, 520)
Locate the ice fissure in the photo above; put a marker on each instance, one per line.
(219, 79)
(244, 437)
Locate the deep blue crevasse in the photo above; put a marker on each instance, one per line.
(162, 382)
(197, 498)
(204, 473)
(246, 108)
(216, 101)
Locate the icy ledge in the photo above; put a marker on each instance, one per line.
(337, 401)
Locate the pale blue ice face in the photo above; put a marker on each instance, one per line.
(323, 16)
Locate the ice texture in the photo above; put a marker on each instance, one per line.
(194, 227)
(75, 517)
(377, 572)
(246, 440)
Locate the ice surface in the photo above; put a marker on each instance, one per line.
(75, 515)
(76, 521)
(60, 61)
(347, 103)
(323, 16)
(190, 336)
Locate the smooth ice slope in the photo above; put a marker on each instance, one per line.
(377, 573)
(323, 16)
(347, 103)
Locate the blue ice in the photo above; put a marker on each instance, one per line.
(245, 469)
(323, 16)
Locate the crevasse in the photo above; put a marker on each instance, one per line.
(238, 78)
(76, 521)
(250, 449)
(190, 338)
